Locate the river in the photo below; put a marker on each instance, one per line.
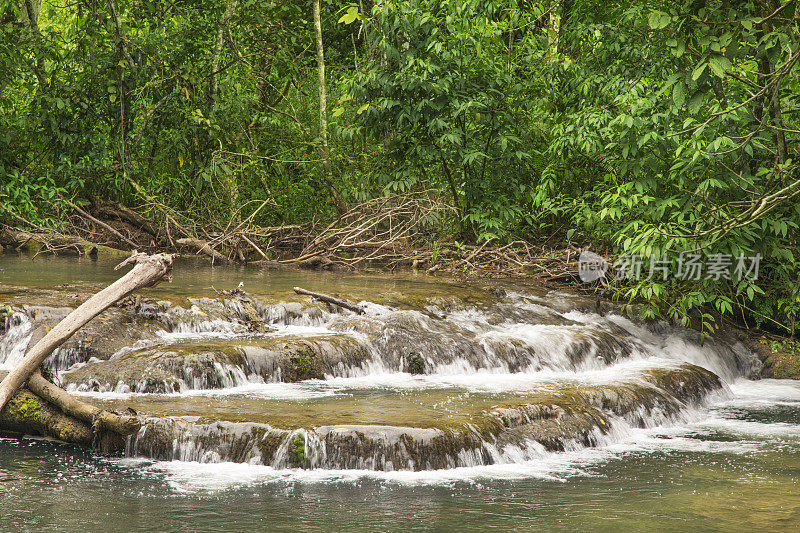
(533, 412)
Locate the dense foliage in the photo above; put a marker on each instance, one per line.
(647, 128)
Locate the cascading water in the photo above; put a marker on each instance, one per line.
(290, 385)
(461, 397)
(18, 328)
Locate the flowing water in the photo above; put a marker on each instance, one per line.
(527, 410)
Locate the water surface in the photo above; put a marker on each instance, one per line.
(732, 464)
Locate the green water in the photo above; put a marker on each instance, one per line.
(194, 277)
(47, 487)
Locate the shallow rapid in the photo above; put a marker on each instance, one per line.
(480, 405)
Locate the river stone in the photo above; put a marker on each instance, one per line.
(414, 363)
(553, 418)
(209, 364)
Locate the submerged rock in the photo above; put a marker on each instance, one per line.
(555, 418)
(413, 363)
(210, 364)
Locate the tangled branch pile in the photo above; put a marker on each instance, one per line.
(398, 231)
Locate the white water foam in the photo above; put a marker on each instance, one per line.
(685, 437)
(19, 330)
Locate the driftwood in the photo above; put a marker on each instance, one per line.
(102, 224)
(204, 247)
(121, 212)
(331, 300)
(26, 413)
(97, 418)
(19, 239)
(391, 231)
(147, 271)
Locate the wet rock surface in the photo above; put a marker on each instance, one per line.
(425, 379)
(211, 364)
(554, 418)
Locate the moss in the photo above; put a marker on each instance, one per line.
(27, 409)
(784, 365)
(269, 443)
(303, 364)
(27, 414)
(299, 450)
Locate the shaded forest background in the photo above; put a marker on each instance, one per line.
(634, 127)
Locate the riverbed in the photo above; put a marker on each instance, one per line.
(729, 460)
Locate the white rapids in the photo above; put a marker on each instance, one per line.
(519, 345)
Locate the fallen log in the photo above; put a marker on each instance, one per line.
(331, 300)
(204, 247)
(147, 271)
(28, 414)
(102, 224)
(121, 212)
(97, 418)
(53, 243)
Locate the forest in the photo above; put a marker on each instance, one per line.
(494, 137)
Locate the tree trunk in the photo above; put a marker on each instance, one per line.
(29, 12)
(324, 149)
(29, 16)
(26, 413)
(773, 96)
(230, 7)
(564, 44)
(120, 424)
(331, 300)
(148, 271)
(204, 247)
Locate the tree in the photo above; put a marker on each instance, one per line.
(445, 90)
(324, 149)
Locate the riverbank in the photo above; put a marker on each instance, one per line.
(781, 357)
(393, 233)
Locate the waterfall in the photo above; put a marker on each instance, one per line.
(17, 328)
(296, 386)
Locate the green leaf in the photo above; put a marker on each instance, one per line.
(658, 20)
(679, 94)
(698, 71)
(719, 65)
(350, 16)
(696, 101)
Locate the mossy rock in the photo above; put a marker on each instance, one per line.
(302, 364)
(782, 365)
(28, 414)
(413, 363)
